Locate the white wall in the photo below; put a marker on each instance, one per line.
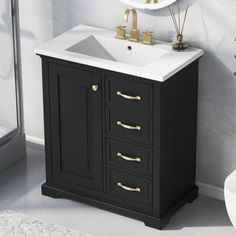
(210, 25)
(36, 23)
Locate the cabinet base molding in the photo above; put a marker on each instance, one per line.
(151, 221)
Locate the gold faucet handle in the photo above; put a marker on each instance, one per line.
(121, 32)
(148, 37)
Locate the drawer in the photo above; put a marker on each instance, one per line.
(129, 157)
(130, 124)
(129, 187)
(128, 93)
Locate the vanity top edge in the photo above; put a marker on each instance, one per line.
(168, 64)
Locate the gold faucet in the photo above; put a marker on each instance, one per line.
(134, 33)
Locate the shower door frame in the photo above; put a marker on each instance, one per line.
(13, 144)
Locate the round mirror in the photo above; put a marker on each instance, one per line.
(148, 4)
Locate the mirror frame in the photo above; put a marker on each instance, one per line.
(151, 6)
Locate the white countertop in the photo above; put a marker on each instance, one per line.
(159, 70)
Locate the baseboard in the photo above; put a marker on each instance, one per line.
(35, 142)
(204, 189)
(211, 191)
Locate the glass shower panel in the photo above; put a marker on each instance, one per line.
(8, 105)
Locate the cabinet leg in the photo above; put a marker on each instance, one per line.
(49, 192)
(55, 196)
(193, 197)
(158, 223)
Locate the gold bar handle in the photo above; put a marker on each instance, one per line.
(128, 158)
(128, 126)
(128, 188)
(138, 98)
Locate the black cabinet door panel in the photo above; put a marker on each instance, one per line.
(79, 128)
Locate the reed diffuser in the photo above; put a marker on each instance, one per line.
(179, 43)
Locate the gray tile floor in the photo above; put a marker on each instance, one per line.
(20, 191)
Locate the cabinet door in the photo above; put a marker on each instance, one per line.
(76, 111)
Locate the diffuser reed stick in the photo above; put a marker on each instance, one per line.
(174, 20)
(185, 16)
(179, 16)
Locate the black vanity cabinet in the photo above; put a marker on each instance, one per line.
(119, 142)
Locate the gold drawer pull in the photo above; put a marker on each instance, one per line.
(128, 126)
(128, 188)
(138, 98)
(128, 158)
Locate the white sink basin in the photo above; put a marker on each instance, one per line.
(117, 50)
(99, 48)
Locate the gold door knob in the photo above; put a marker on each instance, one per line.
(95, 87)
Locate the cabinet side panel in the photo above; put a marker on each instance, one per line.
(178, 129)
(47, 118)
